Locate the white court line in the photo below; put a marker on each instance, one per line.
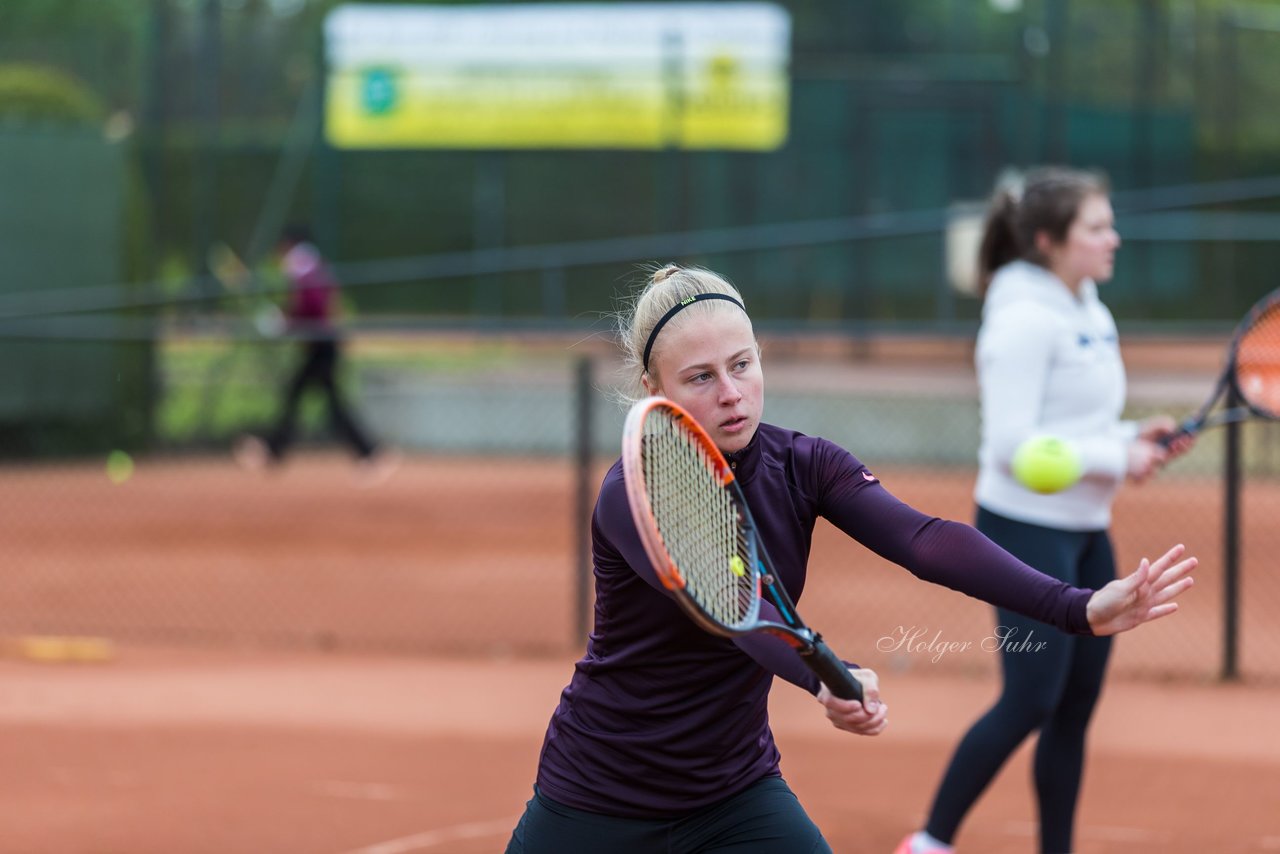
(1093, 831)
(358, 791)
(1021, 828)
(1120, 834)
(432, 838)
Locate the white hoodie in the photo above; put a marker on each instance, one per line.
(1049, 363)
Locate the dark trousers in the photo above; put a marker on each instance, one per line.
(766, 818)
(318, 368)
(1052, 688)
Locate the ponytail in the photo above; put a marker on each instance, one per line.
(1000, 243)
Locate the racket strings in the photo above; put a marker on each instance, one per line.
(699, 522)
(1258, 362)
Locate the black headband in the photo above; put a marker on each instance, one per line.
(676, 309)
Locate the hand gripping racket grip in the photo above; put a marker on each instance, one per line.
(1195, 425)
(1186, 428)
(831, 670)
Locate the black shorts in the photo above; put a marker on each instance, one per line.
(765, 818)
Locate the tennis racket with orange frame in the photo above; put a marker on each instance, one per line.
(1251, 373)
(701, 539)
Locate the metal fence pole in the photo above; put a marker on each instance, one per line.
(205, 171)
(1232, 482)
(582, 506)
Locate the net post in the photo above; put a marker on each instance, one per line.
(1232, 482)
(582, 504)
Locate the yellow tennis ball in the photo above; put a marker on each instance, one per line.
(1047, 464)
(119, 467)
(738, 566)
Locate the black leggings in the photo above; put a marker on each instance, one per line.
(319, 367)
(766, 818)
(1053, 688)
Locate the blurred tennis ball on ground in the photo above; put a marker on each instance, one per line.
(119, 467)
(1047, 464)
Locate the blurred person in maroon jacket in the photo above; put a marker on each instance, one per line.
(310, 317)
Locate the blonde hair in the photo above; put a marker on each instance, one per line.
(667, 286)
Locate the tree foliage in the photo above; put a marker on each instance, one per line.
(30, 93)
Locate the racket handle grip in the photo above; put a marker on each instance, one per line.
(1186, 428)
(832, 671)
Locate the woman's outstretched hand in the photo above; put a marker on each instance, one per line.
(1147, 594)
(869, 718)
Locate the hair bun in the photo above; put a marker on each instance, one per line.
(664, 273)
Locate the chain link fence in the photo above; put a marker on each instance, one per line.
(474, 544)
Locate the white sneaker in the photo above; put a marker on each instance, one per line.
(377, 468)
(251, 453)
(918, 843)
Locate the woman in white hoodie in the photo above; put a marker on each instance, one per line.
(1048, 362)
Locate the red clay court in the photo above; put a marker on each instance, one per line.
(226, 745)
(167, 752)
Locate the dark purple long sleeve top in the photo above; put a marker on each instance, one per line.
(662, 718)
(313, 291)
